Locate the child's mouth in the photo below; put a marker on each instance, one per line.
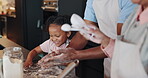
(56, 42)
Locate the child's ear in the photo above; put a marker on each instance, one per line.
(68, 34)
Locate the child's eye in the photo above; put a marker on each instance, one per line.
(51, 35)
(57, 35)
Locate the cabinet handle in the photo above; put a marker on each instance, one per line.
(39, 24)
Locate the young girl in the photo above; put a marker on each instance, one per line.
(58, 38)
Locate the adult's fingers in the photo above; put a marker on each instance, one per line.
(60, 51)
(85, 34)
(94, 39)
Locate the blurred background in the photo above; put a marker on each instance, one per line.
(22, 21)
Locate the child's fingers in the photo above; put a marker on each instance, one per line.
(27, 65)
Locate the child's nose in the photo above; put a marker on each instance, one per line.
(54, 39)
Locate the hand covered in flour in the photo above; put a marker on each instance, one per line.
(45, 62)
(44, 59)
(60, 57)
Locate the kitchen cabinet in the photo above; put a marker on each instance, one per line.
(68, 7)
(25, 28)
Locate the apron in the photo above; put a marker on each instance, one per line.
(126, 60)
(107, 16)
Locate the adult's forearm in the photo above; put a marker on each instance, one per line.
(92, 53)
(119, 28)
(78, 42)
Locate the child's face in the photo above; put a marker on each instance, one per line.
(57, 35)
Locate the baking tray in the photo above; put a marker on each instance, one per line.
(53, 72)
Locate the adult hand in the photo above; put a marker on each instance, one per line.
(60, 57)
(92, 34)
(48, 61)
(67, 54)
(48, 56)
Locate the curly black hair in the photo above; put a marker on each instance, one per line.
(58, 20)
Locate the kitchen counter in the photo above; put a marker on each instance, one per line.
(8, 43)
(68, 72)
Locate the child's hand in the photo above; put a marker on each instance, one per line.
(27, 64)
